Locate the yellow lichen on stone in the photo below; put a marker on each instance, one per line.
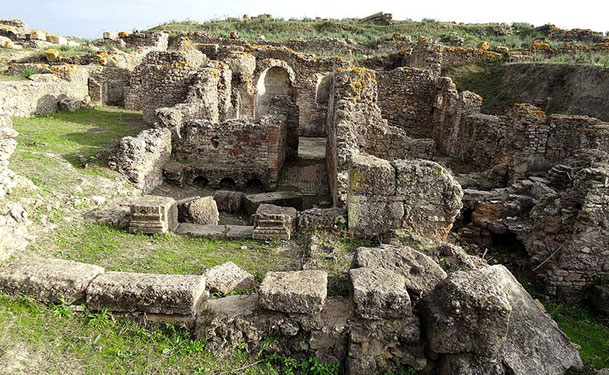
(123, 34)
(484, 45)
(51, 54)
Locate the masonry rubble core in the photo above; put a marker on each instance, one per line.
(233, 117)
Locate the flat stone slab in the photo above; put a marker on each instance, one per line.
(215, 231)
(48, 280)
(379, 294)
(251, 202)
(149, 293)
(225, 278)
(302, 292)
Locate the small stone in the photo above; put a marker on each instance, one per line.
(227, 277)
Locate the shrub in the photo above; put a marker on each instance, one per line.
(29, 70)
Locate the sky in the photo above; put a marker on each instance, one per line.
(89, 18)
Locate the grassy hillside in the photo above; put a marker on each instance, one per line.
(517, 35)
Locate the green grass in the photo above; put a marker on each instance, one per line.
(88, 133)
(485, 79)
(12, 78)
(585, 329)
(121, 251)
(37, 339)
(363, 32)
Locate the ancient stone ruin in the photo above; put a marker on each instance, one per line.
(278, 143)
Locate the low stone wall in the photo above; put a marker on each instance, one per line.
(400, 312)
(13, 217)
(28, 98)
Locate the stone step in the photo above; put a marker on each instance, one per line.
(215, 231)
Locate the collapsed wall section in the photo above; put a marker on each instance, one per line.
(32, 98)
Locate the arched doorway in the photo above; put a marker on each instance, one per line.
(273, 82)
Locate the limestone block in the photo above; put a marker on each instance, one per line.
(216, 231)
(369, 216)
(225, 278)
(198, 210)
(229, 201)
(149, 293)
(273, 221)
(322, 218)
(431, 196)
(369, 175)
(48, 280)
(109, 35)
(468, 312)
(69, 105)
(52, 55)
(420, 272)
(302, 292)
(152, 214)
(379, 294)
(251, 202)
(38, 35)
(57, 40)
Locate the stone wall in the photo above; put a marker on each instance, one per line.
(163, 80)
(142, 158)
(400, 312)
(417, 195)
(558, 219)
(239, 150)
(522, 138)
(13, 217)
(29, 98)
(407, 98)
(355, 125)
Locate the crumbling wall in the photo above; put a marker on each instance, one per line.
(142, 158)
(13, 217)
(355, 125)
(163, 80)
(239, 150)
(560, 220)
(29, 98)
